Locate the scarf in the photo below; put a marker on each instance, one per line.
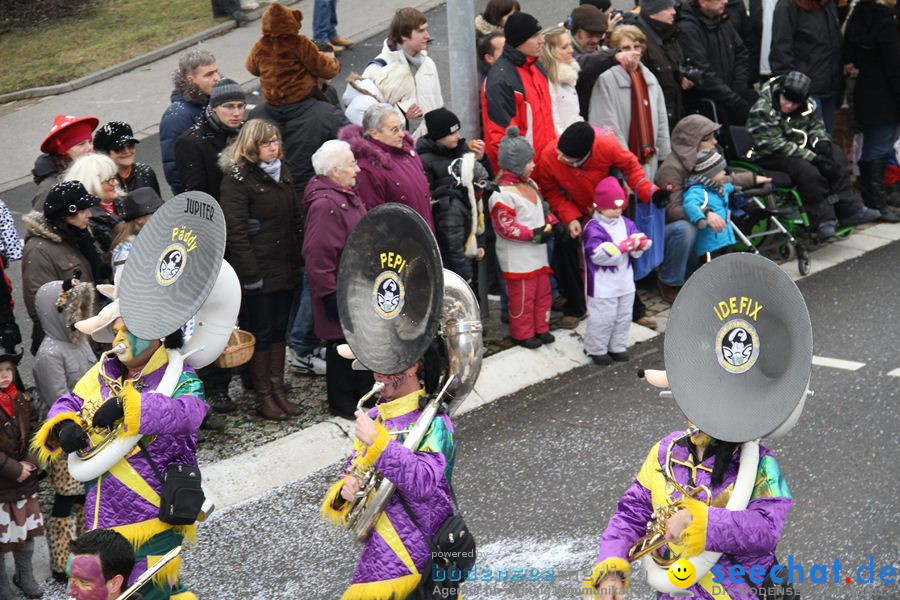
(706, 182)
(414, 61)
(217, 125)
(640, 132)
(8, 398)
(84, 241)
(272, 169)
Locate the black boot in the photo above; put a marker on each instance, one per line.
(5, 590)
(871, 185)
(24, 577)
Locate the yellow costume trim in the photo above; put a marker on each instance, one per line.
(124, 472)
(382, 437)
(131, 404)
(400, 406)
(390, 589)
(140, 533)
(603, 568)
(649, 472)
(335, 508)
(89, 384)
(168, 575)
(183, 596)
(45, 443)
(693, 538)
(385, 529)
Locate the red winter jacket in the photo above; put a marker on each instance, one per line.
(570, 190)
(516, 92)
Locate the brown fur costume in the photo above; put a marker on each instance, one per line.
(286, 62)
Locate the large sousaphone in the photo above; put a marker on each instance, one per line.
(738, 356)
(175, 274)
(393, 298)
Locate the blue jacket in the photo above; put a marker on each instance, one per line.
(177, 119)
(707, 239)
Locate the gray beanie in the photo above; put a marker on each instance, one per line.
(651, 7)
(515, 152)
(709, 162)
(226, 90)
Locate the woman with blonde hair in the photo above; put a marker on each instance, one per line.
(558, 58)
(264, 225)
(98, 174)
(631, 102)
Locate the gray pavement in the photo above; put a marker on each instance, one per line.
(538, 474)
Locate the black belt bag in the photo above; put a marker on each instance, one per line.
(181, 497)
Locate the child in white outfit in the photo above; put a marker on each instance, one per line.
(611, 243)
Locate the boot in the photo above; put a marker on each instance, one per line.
(276, 376)
(871, 184)
(24, 577)
(5, 590)
(262, 386)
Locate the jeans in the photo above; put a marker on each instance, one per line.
(827, 107)
(300, 333)
(325, 20)
(266, 316)
(679, 260)
(878, 141)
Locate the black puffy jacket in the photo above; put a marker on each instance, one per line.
(808, 41)
(197, 153)
(142, 175)
(714, 46)
(663, 56)
(871, 43)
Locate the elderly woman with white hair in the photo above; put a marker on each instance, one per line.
(332, 211)
(98, 174)
(390, 167)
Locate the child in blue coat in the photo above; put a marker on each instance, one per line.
(706, 203)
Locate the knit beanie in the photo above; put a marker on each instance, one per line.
(440, 123)
(515, 151)
(609, 195)
(651, 7)
(588, 18)
(519, 28)
(577, 140)
(795, 87)
(226, 90)
(709, 162)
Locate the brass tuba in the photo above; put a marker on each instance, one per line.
(460, 327)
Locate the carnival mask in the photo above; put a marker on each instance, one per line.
(86, 580)
(135, 347)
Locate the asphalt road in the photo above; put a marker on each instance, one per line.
(538, 474)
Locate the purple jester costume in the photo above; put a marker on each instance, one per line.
(745, 537)
(126, 498)
(396, 552)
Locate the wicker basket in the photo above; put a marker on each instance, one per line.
(239, 350)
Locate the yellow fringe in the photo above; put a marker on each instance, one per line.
(382, 437)
(167, 577)
(337, 516)
(390, 589)
(140, 533)
(131, 404)
(183, 596)
(601, 569)
(693, 538)
(45, 444)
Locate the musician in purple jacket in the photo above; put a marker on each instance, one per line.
(126, 498)
(395, 554)
(744, 537)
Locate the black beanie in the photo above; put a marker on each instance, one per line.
(577, 140)
(226, 90)
(440, 123)
(519, 28)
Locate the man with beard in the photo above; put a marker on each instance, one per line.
(196, 75)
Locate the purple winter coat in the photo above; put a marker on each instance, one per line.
(422, 481)
(746, 537)
(389, 174)
(332, 212)
(173, 420)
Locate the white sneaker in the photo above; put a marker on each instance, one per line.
(309, 364)
(249, 5)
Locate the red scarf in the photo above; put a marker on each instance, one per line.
(640, 132)
(8, 399)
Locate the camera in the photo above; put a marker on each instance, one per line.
(691, 73)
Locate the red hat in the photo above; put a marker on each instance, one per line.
(68, 131)
(609, 195)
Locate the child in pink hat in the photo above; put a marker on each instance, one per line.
(611, 243)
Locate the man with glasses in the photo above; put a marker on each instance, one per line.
(196, 156)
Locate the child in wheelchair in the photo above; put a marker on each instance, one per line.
(706, 204)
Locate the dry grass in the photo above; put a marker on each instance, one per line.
(97, 37)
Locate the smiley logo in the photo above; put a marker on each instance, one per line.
(682, 573)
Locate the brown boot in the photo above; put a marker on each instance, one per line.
(262, 387)
(276, 376)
